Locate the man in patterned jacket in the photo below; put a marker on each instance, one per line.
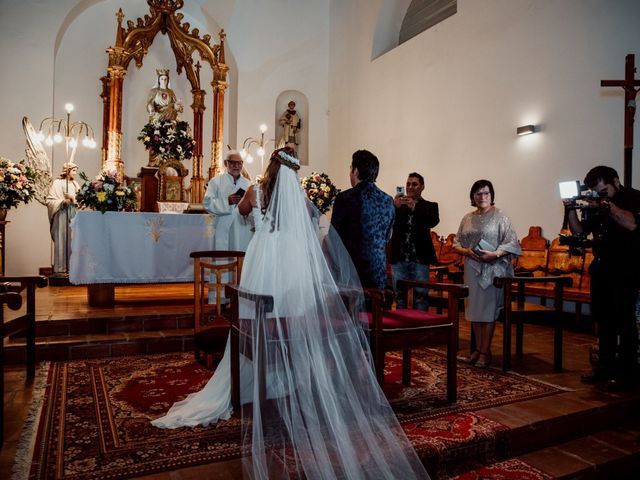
(363, 217)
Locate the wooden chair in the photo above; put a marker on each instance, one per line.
(406, 329)
(563, 262)
(10, 294)
(534, 253)
(12, 300)
(240, 344)
(448, 256)
(211, 327)
(517, 311)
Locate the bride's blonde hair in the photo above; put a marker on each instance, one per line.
(268, 181)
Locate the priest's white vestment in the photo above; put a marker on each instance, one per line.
(232, 230)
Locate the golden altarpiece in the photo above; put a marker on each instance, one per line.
(132, 43)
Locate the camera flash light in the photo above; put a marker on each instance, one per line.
(569, 189)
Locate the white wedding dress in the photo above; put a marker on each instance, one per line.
(213, 402)
(325, 416)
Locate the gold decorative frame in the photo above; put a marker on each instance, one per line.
(133, 43)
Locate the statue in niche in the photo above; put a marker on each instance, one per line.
(162, 105)
(291, 124)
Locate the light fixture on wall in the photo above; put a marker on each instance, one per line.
(58, 129)
(526, 130)
(261, 143)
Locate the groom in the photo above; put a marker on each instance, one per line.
(363, 217)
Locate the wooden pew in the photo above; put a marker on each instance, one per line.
(534, 256)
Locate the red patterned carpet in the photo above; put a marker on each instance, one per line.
(512, 469)
(95, 416)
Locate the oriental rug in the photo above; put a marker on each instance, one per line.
(95, 420)
(512, 469)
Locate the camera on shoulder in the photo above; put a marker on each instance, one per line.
(579, 196)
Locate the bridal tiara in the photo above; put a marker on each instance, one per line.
(289, 158)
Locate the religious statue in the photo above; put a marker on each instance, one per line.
(61, 206)
(291, 124)
(163, 105)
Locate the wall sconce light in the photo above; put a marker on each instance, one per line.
(526, 130)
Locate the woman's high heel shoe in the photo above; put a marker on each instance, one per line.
(473, 358)
(484, 363)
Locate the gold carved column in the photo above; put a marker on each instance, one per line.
(219, 85)
(105, 118)
(197, 181)
(113, 160)
(116, 71)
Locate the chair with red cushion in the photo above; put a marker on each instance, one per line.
(406, 329)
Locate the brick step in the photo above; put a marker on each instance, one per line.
(113, 324)
(605, 454)
(557, 441)
(74, 347)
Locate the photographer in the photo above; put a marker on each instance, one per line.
(612, 218)
(412, 249)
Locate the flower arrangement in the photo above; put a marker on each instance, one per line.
(105, 193)
(320, 190)
(17, 183)
(168, 139)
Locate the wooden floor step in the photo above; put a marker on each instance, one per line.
(74, 347)
(606, 454)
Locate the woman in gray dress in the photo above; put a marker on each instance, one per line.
(487, 241)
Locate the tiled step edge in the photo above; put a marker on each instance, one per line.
(607, 454)
(99, 346)
(553, 431)
(115, 324)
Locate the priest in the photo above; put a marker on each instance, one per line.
(224, 191)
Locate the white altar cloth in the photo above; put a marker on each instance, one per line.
(126, 247)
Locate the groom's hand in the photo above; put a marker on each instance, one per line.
(234, 199)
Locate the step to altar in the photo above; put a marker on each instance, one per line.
(606, 454)
(107, 325)
(106, 336)
(116, 344)
(602, 441)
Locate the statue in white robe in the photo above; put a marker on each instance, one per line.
(61, 207)
(162, 104)
(233, 231)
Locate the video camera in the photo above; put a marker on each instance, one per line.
(575, 242)
(579, 195)
(590, 204)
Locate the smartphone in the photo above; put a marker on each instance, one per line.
(240, 192)
(400, 191)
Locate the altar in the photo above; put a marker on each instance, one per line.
(127, 247)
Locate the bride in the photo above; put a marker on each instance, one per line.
(325, 416)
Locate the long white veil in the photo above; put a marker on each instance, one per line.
(326, 416)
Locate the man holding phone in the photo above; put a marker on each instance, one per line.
(224, 192)
(412, 249)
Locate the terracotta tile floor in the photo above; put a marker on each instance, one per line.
(70, 302)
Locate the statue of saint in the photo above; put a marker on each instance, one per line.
(162, 104)
(291, 124)
(61, 206)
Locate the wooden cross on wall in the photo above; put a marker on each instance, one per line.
(629, 85)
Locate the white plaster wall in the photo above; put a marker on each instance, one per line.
(53, 51)
(447, 102)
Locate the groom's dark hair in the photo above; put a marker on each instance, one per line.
(367, 165)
